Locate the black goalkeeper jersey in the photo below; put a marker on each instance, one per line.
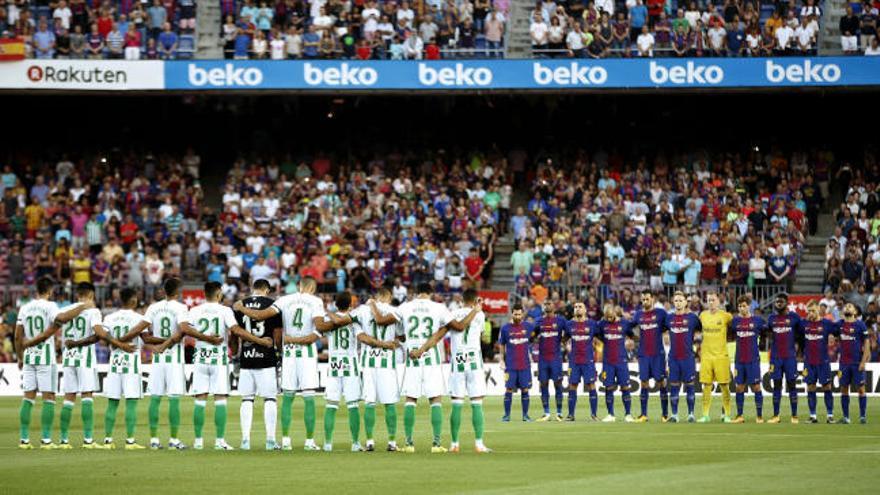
(253, 355)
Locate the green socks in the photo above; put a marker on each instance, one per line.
(220, 417)
(47, 416)
(286, 413)
(354, 422)
(199, 417)
(88, 418)
(437, 421)
(370, 420)
(130, 417)
(173, 415)
(454, 420)
(155, 400)
(391, 420)
(329, 422)
(24, 417)
(409, 421)
(309, 415)
(66, 414)
(110, 417)
(477, 411)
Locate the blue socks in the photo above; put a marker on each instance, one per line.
(811, 402)
(557, 387)
(508, 399)
(643, 400)
(759, 403)
(525, 404)
(664, 402)
(740, 402)
(627, 402)
(844, 404)
(594, 402)
(545, 397)
(863, 405)
(609, 402)
(572, 401)
(777, 399)
(674, 391)
(793, 400)
(829, 402)
(691, 397)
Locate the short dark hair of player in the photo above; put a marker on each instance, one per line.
(517, 307)
(83, 289)
(783, 296)
(743, 299)
(171, 287)
(343, 300)
(262, 284)
(469, 296)
(45, 285)
(126, 295)
(212, 289)
(425, 288)
(647, 292)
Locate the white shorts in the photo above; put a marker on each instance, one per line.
(338, 386)
(258, 381)
(299, 374)
(470, 383)
(123, 386)
(210, 379)
(380, 386)
(167, 379)
(423, 381)
(77, 380)
(849, 43)
(42, 378)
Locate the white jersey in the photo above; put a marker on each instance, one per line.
(79, 328)
(36, 316)
(118, 325)
(465, 345)
(342, 348)
(297, 317)
(375, 357)
(420, 319)
(212, 319)
(164, 317)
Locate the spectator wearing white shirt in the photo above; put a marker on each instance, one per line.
(645, 43)
(805, 37)
(849, 29)
(323, 23)
(574, 40)
(62, 12)
(874, 49)
(315, 7)
(539, 32)
(605, 6)
(405, 14)
(412, 46)
(717, 40)
(784, 37)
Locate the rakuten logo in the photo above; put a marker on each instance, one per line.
(689, 73)
(227, 76)
(572, 75)
(344, 75)
(457, 76)
(802, 73)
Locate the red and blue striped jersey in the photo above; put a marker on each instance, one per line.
(515, 339)
(651, 324)
(852, 336)
(614, 334)
(681, 334)
(784, 331)
(549, 330)
(747, 331)
(815, 335)
(581, 334)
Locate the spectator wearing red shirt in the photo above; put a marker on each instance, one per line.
(709, 268)
(432, 51)
(132, 43)
(105, 23)
(655, 8)
(473, 265)
(364, 51)
(128, 232)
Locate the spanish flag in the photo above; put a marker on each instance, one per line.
(11, 49)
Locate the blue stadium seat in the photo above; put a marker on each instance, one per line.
(186, 46)
(480, 45)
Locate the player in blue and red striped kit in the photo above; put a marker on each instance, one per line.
(783, 355)
(613, 331)
(652, 357)
(513, 344)
(747, 331)
(580, 332)
(682, 364)
(548, 330)
(814, 332)
(855, 348)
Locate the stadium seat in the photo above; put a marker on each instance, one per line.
(186, 47)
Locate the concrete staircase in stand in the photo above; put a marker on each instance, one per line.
(829, 37)
(811, 271)
(518, 43)
(502, 272)
(208, 23)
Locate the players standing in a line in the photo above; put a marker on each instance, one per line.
(747, 330)
(855, 348)
(257, 375)
(379, 367)
(513, 344)
(613, 331)
(714, 359)
(79, 373)
(581, 366)
(35, 328)
(548, 329)
(651, 321)
(302, 314)
(783, 355)
(682, 324)
(345, 372)
(814, 332)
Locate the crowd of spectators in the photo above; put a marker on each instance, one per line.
(363, 29)
(99, 29)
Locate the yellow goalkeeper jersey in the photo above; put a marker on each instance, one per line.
(714, 334)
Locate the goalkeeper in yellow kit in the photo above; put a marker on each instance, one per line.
(714, 360)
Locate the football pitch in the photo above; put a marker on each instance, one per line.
(545, 457)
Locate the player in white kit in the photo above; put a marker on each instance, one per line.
(302, 315)
(379, 367)
(344, 377)
(211, 374)
(35, 328)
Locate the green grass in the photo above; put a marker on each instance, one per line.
(550, 457)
